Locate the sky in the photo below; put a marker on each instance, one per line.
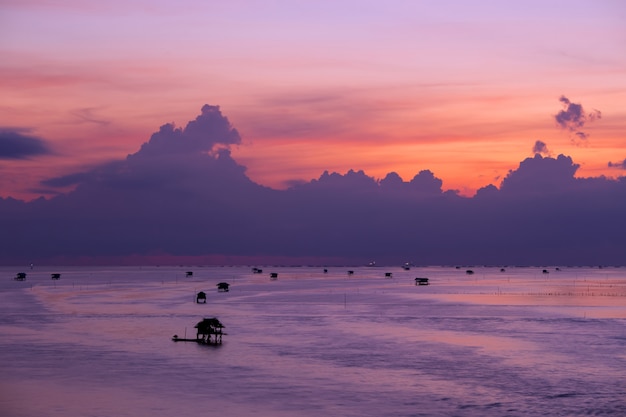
(453, 92)
(464, 89)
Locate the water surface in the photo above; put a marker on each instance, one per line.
(517, 342)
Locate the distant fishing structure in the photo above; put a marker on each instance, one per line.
(209, 332)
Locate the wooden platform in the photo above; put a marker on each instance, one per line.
(198, 341)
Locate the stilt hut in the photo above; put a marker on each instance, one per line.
(274, 275)
(189, 274)
(350, 272)
(21, 276)
(55, 276)
(209, 331)
(257, 270)
(201, 297)
(421, 281)
(223, 286)
(388, 274)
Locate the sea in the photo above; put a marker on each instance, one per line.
(314, 341)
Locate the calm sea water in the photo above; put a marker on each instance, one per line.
(518, 342)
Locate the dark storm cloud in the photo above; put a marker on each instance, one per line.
(573, 118)
(182, 194)
(17, 144)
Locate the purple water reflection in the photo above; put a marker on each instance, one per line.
(97, 343)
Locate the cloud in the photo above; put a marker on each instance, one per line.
(86, 115)
(16, 144)
(539, 175)
(541, 148)
(182, 195)
(619, 165)
(209, 130)
(573, 118)
(66, 180)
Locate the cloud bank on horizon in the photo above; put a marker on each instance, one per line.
(182, 196)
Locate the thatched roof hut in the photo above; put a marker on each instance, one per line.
(201, 297)
(209, 331)
(223, 286)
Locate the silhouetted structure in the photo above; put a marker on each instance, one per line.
(209, 331)
(189, 273)
(274, 275)
(21, 276)
(545, 271)
(55, 276)
(469, 272)
(388, 274)
(421, 281)
(350, 272)
(223, 286)
(201, 297)
(257, 271)
(325, 270)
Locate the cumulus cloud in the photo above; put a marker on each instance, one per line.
(541, 175)
(426, 182)
(17, 144)
(573, 118)
(208, 131)
(541, 148)
(187, 159)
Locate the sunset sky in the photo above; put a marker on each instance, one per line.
(465, 89)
